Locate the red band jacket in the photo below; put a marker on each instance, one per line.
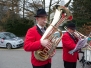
(32, 43)
(69, 44)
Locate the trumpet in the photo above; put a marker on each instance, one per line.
(81, 36)
(77, 34)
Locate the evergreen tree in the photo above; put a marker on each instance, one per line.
(81, 10)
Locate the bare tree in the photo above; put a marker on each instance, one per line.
(27, 8)
(32, 6)
(10, 7)
(23, 7)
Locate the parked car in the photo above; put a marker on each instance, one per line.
(10, 40)
(58, 35)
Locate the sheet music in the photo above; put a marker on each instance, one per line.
(81, 43)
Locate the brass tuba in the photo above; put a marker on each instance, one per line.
(61, 14)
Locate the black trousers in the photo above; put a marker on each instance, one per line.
(44, 66)
(69, 64)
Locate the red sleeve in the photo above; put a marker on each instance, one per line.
(30, 43)
(68, 42)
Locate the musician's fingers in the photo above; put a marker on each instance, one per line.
(49, 46)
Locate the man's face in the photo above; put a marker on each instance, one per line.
(42, 20)
(71, 30)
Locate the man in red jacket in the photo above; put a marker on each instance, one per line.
(33, 40)
(69, 42)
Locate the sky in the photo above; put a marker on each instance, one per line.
(66, 1)
(62, 1)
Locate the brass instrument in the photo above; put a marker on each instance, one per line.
(88, 44)
(61, 14)
(80, 36)
(77, 34)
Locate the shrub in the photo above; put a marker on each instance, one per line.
(85, 29)
(18, 26)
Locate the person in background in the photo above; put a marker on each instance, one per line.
(69, 41)
(33, 40)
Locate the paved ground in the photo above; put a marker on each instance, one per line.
(18, 58)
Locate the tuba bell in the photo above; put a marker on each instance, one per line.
(61, 14)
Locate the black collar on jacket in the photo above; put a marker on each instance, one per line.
(39, 30)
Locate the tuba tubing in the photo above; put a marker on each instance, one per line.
(56, 18)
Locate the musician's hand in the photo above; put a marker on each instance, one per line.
(46, 43)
